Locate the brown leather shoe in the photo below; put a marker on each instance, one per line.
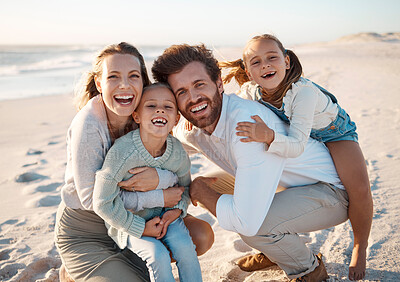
(254, 262)
(319, 274)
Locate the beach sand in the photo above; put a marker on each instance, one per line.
(364, 77)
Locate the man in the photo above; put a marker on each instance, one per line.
(266, 221)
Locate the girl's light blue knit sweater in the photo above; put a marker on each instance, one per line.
(126, 153)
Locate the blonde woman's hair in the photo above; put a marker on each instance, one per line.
(86, 89)
(238, 71)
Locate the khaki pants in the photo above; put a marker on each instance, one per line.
(89, 254)
(294, 210)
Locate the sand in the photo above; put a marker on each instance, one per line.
(362, 74)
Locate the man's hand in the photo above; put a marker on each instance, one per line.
(200, 192)
(167, 218)
(172, 196)
(144, 179)
(153, 227)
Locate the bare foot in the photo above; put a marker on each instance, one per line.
(357, 264)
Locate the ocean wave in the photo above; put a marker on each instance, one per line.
(60, 63)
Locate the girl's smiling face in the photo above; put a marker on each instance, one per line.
(265, 63)
(157, 112)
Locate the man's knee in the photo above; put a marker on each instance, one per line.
(259, 241)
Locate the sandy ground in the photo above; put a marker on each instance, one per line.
(363, 75)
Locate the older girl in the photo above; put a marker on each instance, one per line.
(106, 102)
(272, 75)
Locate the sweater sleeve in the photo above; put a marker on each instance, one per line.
(301, 120)
(109, 206)
(87, 156)
(137, 201)
(184, 179)
(166, 178)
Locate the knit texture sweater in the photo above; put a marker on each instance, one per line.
(126, 153)
(88, 141)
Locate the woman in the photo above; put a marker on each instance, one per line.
(106, 102)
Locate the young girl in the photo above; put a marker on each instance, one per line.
(150, 232)
(271, 75)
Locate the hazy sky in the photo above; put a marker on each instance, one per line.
(224, 22)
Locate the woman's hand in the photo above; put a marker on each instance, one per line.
(172, 196)
(256, 131)
(166, 219)
(144, 179)
(153, 227)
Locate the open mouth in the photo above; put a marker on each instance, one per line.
(124, 99)
(269, 75)
(199, 108)
(158, 121)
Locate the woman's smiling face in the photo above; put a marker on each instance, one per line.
(120, 84)
(265, 63)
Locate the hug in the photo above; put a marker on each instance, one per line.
(123, 215)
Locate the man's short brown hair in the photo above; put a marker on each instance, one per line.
(176, 57)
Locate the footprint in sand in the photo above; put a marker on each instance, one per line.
(206, 217)
(4, 255)
(52, 143)
(32, 152)
(49, 187)
(241, 246)
(46, 201)
(40, 267)
(374, 178)
(195, 168)
(9, 270)
(30, 164)
(29, 176)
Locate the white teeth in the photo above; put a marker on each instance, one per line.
(268, 74)
(199, 108)
(124, 97)
(159, 120)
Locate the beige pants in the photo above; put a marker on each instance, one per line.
(89, 254)
(294, 210)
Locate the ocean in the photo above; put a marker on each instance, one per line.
(30, 71)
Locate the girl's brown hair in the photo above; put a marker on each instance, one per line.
(87, 88)
(238, 71)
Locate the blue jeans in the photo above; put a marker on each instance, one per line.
(342, 128)
(157, 258)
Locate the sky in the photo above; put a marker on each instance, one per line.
(213, 22)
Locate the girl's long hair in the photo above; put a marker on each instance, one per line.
(238, 71)
(86, 89)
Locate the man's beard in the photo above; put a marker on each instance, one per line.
(215, 105)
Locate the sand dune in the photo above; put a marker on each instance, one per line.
(362, 73)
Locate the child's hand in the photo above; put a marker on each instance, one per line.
(153, 227)
(172, 196)
(167, 218)
(255, 132)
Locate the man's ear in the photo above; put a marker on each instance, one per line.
(220, 85)
(97, 83)
(136, 117)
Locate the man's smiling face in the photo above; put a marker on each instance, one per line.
(199, 98)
